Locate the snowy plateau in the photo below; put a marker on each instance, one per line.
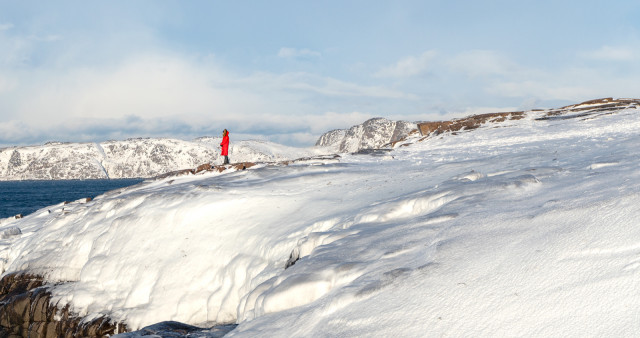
(526, 226)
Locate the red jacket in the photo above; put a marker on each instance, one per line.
(225, 145)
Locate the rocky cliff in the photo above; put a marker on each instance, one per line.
(372, 134)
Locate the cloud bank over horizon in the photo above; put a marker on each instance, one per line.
(93, 72)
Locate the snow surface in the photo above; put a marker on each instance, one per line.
(520, 228)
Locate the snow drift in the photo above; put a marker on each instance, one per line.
(522, 227)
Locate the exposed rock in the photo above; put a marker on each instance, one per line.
(15, 160)
(314, 159)
(171, 329)
(175, 173)
(203, 167)
(207, 167)
(243, 165)
(26, 311)
(467, 123)
(591, 109)
(585, 110)
(237, 166)
(372, 134)
(246, 165)
(374, 152)
(294, 256)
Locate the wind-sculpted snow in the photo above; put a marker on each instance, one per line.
(133, 158)
(529, 230)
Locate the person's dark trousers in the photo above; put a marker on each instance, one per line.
(226, 160)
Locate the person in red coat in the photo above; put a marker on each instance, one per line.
(225, 146)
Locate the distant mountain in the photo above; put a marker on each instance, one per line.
(372, 134)
(132, 158)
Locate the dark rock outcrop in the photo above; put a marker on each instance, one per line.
(246, 165)
(26, 311)
(586, 110)
(467, 123)
(207, 167)
(203, 167)
(171, 329)
(591, 109)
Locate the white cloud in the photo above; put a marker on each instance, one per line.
(408, 67)
(6, 84)
(498, 77)
(13, 130)
(611, 53)
(333, 120)
(15, 50)
(172, 95)
(46, 38)
(5, 26)
(475, 63)
(333, 87)
(294, 53)
(570, 84)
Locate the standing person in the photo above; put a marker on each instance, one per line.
(225, 146)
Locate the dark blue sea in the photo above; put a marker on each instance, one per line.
(25, 197)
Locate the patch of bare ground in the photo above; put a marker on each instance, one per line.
(467, 123)
(26, 311)
(585, 110)
(591, 109)
(207, 167)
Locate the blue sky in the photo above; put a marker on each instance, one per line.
(288, 71)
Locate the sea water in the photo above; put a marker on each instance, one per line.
(25, 197)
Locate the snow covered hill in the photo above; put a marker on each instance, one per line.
(516, 227)
(133, 158)
(372, 134)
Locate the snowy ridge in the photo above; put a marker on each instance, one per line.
(133, 158)
(529, 230)
(372, 134)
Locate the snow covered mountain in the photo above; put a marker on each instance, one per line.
(520, 224)
(372, 134)
(150, 157)
(133, 158)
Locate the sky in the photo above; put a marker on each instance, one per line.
(288, 71)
